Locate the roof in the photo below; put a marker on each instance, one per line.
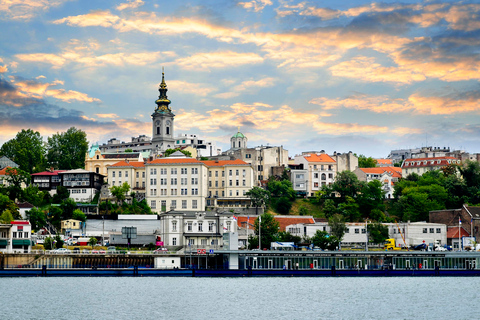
(135, 164)
(48, 173)
(221, 163)
(23, 222)
(175, 161)
(452, 232)
(284, 221)
(93, 149)
(428, 162)
(322, 157)
(3, 171)
(6, 162)
(384, 161)
(24, 205)
(396, 172)
(238, 135)
(75, 171)
(125, 155)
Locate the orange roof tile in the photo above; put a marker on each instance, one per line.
(136, 164)
(384, 161)
(221, 163)
(3, 171)
(323, 157)
(396, 172)
(175, 161)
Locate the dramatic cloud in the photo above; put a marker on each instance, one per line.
(255, 5)
(227, 59)
(191, 88)
(251, 86)
(26, 9)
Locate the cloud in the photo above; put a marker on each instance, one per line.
(250, 86)
(107, 115)
(226, 59)
(442, 104)
(3, 69)
(131, 4)
(26, 9)
(191, 88)
(366, 69)
(255, 5)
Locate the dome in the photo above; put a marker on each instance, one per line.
(238, 135)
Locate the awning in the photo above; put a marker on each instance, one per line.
(23, 242)
(3, 243)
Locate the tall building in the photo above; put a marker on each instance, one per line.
(162, 119)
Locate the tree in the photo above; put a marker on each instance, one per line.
(16, 179)
(337, 226)
(329, 208)
(377, 232)
(33, 195)
(92, 241)
(258, 196)
(302, 211)
(67, 206)
(62, 194)
(364, 162)
(6, 217)
(120, 192)
(27, 150)
(37, 218)
(7, 204)
(349, 209)
(269, 229)
(55, 216)
(346, 184)
(58, 242)
(67, 150)
(48, 243)
(325, 241)
(79, 215)
(128, 150)
(168, 152)
(370, 198)
(285, 236)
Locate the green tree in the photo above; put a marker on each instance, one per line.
(16, 179)
(7, 204)
(37, 218)
(67, 150)
(92, 241)
(349, 209)
(79, 215)
(269, 229)
(364, 162)
(285, 236)
(168, 152)
(371, 198)
(377, 232)
(55, 216)
(27, 150)
(329, 208)
(33, 195)
(325, 241)
(6, 217)
(346, 184)
(48, 243)
(62, 194)
(258, 196)
(58, 242)
(68, 206)
(303, 211)
(337, 226)
(128, 150)
(120, 192)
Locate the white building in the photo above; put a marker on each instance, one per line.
(204, 148)
(321, 170)
(422, 165)
(387, 176)
(16, 237)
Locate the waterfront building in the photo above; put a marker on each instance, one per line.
(15, 237)
(47, 180)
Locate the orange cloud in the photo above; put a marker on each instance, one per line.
(218, 60)
(26, 9)
(192, 88)
(131, 4)
(107, 115)
(67, 96)
(255, 5)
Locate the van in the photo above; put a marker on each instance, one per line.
(111, 249)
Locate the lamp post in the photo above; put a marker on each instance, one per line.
(366, 233)
(260, 232)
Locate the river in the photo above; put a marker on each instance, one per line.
(239, 298)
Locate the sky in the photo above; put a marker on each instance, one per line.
(360, 76)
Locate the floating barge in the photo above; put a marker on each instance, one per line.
(247, 264)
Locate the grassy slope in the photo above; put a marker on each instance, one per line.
(313, 209)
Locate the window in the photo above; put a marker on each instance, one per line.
(315, 175)
(431, 230)
(364, 231)
(163, 181)
(229, 172)
(183, 170)
(119, 174)
(230, 183)
(113, 174)
(324, 176)
(223, 183)
(223, 173)
(153, 182)
(194, 191)
(194, 170)
(244, 183)
(173, 181)
(25, 234)
(153, 204)
(126, 174)
(200, 226)
(194, 204)
(143, 184)
(173, 192)
(183, 192)
(184, 204)
(174, 241)
(137, 174)
(164, 202)
(153, 192)
(163, 171)
(191, 242)
(347, 230)
(209, 173)
(231, 193)
(203, 242)
(244, 173)
(143, 174)
(229, 224)
(237, 183)
(424, 230)
(209, 184)
(14, 234)
(248, 156)
(173, 171)
(216, 184)
(439, 230)
(174, 204)
(223, 193)
(189, 226)
(194, 180)
(216, 173)
(357, 230)
(183, 181)
(236, 172)
(174, 225)
(210, 226)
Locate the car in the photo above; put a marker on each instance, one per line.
(102, 251)
(111, 249)
(85, 251)
(160, 250)
(95, 251)
(76, 250)
(62, 251)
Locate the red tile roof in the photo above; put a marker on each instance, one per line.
(384, 161)
(175, 161)
(427, 162)
(452, 233)
(48, 173)
(322, 157)
(20, 222)
(396, 172)
(136, 164)
(221, 163)
(3, 171)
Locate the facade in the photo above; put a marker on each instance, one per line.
(141, 144)
(321, 170)
(98, 161)
(196, 229)
(16, 237)
(422, 165)
(162, 118)
(345, 161)
(6, 162)
(176, 182)
(202, 147)
(228, 183)
(388, 176)
(82, 184)
(469, 216)
(299, 179)
(23, 208)
(131, 172)
(47, 180)
(238, 141)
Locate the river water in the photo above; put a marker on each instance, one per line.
(239, 298)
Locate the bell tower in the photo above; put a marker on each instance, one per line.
(162, 121)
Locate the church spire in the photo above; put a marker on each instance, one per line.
(162, 101)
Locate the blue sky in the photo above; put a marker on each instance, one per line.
(342, 76)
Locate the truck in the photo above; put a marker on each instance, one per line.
(390, 245)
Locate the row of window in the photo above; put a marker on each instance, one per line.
(163, 171)
(19, 235)
(324, 176)
(432, 162)
(323, 167)
(173, 204)
(237, 193)
(78, 190)
(173, 181)
(230, 183)
(439, 230)
(174, 192)
(230, 173)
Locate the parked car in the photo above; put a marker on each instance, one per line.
(160, 250)
(62, 251)
(76, 250)
(111, 249)
(95, 251)
(85, 251)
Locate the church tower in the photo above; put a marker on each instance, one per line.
(162, 135)
(238, 141)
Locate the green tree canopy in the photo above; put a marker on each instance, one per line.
(120, 192)
(364, 162)
(48, 243)
(285, 236)
(27, 150)
(37, 218)
(92, 241)
(62, 194)
(79, 215)
(58, 242)
(168, 152)
(337, 226)
(377, 232)
(325, 241)
(346, 184)
(7, 204)
(6, 217)
(67, 150)
(17, 179)
(258, 196)
(269, 229)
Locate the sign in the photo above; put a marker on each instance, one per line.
(201, 251)
(211, 251)
(129, 233)
(159, 243)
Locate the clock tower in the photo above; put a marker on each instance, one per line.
(162, 120)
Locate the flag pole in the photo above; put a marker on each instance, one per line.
(459, 224)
